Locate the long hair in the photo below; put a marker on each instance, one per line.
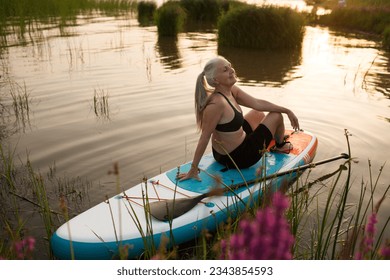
(204, 87)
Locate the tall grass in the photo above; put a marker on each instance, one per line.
(264, 27)
(370, 16)
(356, 3)
(202, 10)
(27, 16)
(45, 9)
(15, 106)
(100, 104)
(20, 104)
(170, 19)
(386, 38)
(146, 10)
(25, 192)
(364, 19)
(335, 231)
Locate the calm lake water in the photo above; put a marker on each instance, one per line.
(143, 89)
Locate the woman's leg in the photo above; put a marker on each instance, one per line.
(274, 122)
(254, 118)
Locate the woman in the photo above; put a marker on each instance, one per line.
(237, 141)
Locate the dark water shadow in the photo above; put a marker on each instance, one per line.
(268, 68)
(169, 52)
(381, 79)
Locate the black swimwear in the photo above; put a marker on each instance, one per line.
(235, 124)
(250, 150)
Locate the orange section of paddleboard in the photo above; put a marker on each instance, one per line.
(300, 141)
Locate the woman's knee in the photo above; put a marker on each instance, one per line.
(254, 118)
(275, 116)
(273, 121)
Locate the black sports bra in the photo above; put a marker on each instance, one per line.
(235, 124)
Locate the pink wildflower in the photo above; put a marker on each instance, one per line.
(368, 238)
(267, 236)
(385, 251)
(24, 247)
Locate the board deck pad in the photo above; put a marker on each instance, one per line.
(272, 161)
(209, 168)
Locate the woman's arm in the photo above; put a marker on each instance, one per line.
(247, 100)
(211, 116)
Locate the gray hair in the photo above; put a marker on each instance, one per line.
(205, 84)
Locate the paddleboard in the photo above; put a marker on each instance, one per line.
(123, 221)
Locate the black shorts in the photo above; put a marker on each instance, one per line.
(250, 150)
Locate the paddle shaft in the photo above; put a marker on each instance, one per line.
(290, 171)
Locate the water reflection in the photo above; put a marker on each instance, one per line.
(267, 68)
(381, 79)
(169, 52)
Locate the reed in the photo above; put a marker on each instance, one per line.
(170, 19)
(151, 247)
(370, 20)
(386, 38)
(264, 27)
(202, 10)
(27, 16)
(371, 16)
(146, 10)
(100, 104)
(45, 9)
(356, 3)
(24, 191)
(334, 231)
(40, 193)
(19, 106)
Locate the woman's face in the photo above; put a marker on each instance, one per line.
(225, 74)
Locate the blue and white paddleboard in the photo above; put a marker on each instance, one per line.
(123, 221)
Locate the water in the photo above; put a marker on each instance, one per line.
(335, 82)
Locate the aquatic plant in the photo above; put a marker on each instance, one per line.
(100, 104)
(266, 237)
(265, 27)
(362, 19)
(170, 19)
(27, 16)
(19, 110)
(202, 10)
(386, 38)
(23, 187)
(146, 10)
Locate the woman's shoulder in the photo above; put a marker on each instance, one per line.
(215, 101)
(216, 98)
(241, 96)
(236, 91)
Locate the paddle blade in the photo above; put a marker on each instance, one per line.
(173, 208)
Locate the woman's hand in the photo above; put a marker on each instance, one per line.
(293, 120)
(192, 174)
